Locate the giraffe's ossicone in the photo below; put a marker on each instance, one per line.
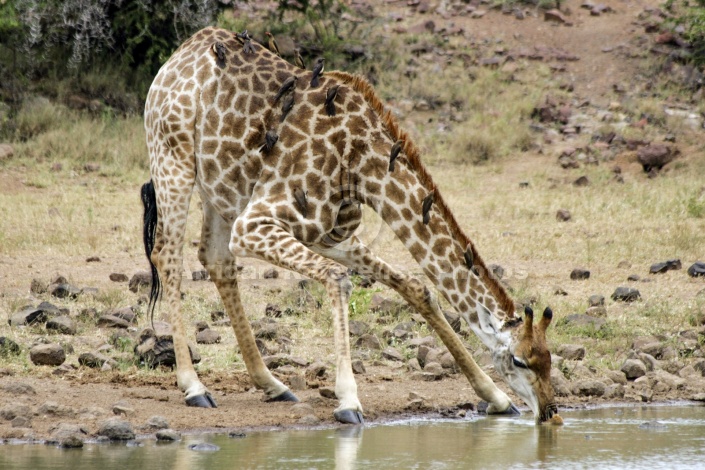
(283, 162)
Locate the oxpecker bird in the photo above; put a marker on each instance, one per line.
(331, 93)
(219, 50)
(289, 84)
(270, 138)
(317, 71)
(273, 44)
(298, 60)
(396, 148)
(287, 105)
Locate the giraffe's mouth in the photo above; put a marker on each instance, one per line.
(550, 415)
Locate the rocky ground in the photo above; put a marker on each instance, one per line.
(66, 397)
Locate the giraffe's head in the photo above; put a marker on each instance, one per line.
(522, 357)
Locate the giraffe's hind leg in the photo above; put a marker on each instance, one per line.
(260, 235)
(173, 195)
(354, 254)
(220, 263)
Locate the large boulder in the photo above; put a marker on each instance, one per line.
(47, 354)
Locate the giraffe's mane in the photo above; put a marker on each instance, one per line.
(413, 156)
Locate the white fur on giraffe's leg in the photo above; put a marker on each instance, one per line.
(198, 395)
(350, 409)
(501, 404)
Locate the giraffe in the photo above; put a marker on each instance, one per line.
(283, 163)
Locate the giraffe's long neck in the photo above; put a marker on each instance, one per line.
(407, 199)
(436, 242)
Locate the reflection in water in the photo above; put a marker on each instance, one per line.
(635, 437)
(347, 443)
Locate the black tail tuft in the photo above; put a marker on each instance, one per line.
(149, 200)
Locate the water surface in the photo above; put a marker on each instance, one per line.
(638, 437)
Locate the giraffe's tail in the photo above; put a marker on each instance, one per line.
(149, 200)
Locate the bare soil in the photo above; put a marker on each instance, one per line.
(88, 396)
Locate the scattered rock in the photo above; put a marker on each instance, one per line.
(157, 348)
(655, 156)
(625, 294)
(614, 391)
(672, 264)
(119, 277)
(582, 181)
(168, 435)
(633, 369)
(95, 360)
(273, 311)
(8, 346)
(116, 429)
(596, 300)
(71, 442)
(327, 392)
(63, 325)
(556, 16)
(558, 290)
(572, 352)
(561, 386)
(392, 354)
(358, 366)
(598, 311)
(697, 269)
(47, 354)
(141, 279)
(64, 291)
(582, 320)
(111, 321)
(579, 274)
(157, 422)
(122, 408)
(368, 341)
(316, 370)
(563, 215)
(589, 388)
(28, 316)
(358, 328)
(208, 336)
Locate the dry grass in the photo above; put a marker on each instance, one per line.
(71, 214)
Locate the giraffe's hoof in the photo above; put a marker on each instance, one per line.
(286, 396)
(201, 401)
(511, 411)
(349, 417)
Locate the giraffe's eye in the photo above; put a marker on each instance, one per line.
(519, 363)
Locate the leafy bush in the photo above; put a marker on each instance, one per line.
(691, 15)
(66, 38)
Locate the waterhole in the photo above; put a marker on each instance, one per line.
(638, 437)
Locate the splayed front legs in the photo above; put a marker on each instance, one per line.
(262, 237)
(354, 254)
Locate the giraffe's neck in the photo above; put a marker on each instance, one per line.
(439, 247)
(401, 193)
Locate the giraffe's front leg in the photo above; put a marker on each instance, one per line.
(356, 255)
(220, 263)
(261, 237)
